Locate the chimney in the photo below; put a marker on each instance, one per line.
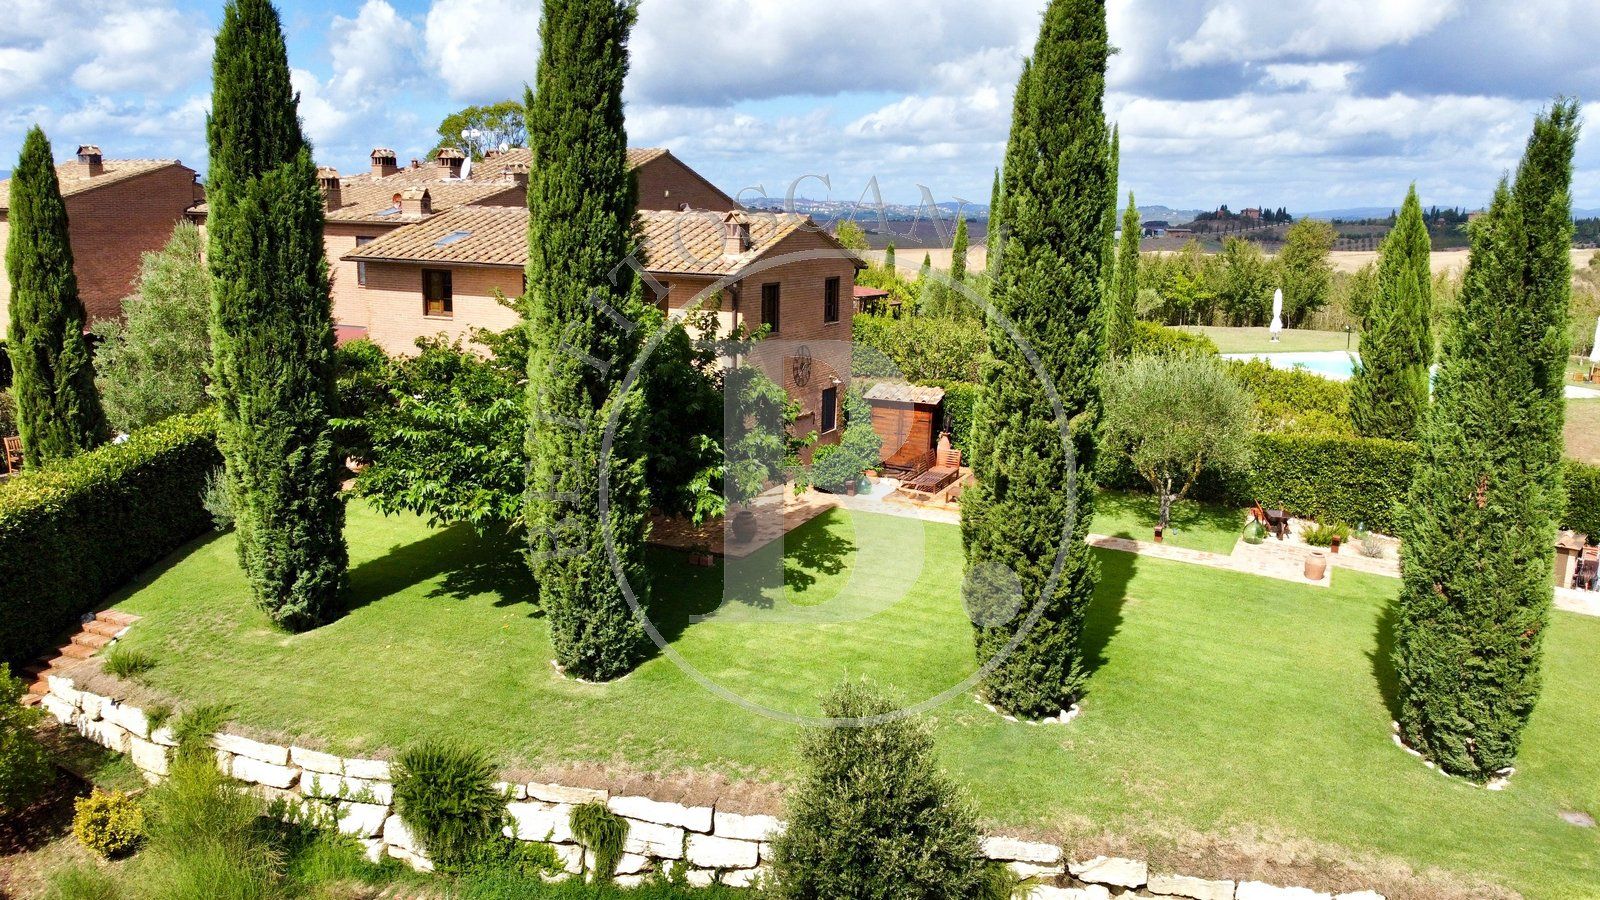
(518, 173)
(416, 203)
(384, 163)
(89, 155)
(735, 234)
(451, 158)
(332, 195)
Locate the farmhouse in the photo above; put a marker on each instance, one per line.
(117, 209)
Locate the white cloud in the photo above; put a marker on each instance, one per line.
(1248, 30)
(1324, 77)
(484, 51)
(108, 47)
(373, 54)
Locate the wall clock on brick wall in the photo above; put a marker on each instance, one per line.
(802, 366)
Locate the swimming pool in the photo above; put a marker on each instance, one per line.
(1335, 365)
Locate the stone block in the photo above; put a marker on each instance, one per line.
(555, 793)
(255, 771)
(633, 864)
(1190, 888)
(746, 828)
(91, 704)
(59, 708)
(364, 820)
(535, 821)
(650, 839)
(148, 757)
(1026, 871)
(1359, 895)
(369, 769)
(1259, 890)
(743, 878)
(104, 733)
(396, 834)
(701, 878)
(572, 857)
(372, 849)
(709, 852)
(691, 818)
(130, 718)
(1092, 892)
(340, 787)
(316, 761)
(1007, 849)
(225, 762)
(271, 754)
(1111, 870)
(164, 736)
(511, 791)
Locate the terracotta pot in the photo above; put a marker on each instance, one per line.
(1316, 567)
(1333, 546)
(1159, 530)
(744, 526)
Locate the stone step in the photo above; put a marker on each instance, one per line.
(76, 651)
(35, 669)
(31, 699)
(90, 639)
(39, 688)
(116, 617)
(60, 662)
(101, 626)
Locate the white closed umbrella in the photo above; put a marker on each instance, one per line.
(1277, 314)
(1594, 352)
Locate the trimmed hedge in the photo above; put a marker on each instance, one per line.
(1354, 481)
(960, 401)
(1583, 498)
(73, 533)
(1154, 339)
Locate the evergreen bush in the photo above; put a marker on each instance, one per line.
(1389, 390)
(1582, 512)
(447, 797)
(73, 533)
(1153, 339)
(873, 818)
(108, 822)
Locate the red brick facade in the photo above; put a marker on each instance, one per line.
(112, 227)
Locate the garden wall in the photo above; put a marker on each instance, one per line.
(73, 533)
(714, 845)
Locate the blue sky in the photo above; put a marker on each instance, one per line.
(1311, 104)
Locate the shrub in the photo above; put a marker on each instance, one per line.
(216, 499)
(1151, 339)
(109, 823)
(603, 832)
(1371, 547)
(25, 767)
(960, 404)
(873, 817)
(73, 533)
(921, 349)
(1321, 535)
(204, 837)
(1583, 498)
(125, 663)
(1295, 401)
(446, 795)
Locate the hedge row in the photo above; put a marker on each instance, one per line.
(73, 533)
(1583, 498)
(1356, 481)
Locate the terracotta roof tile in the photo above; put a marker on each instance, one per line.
(671, 242)
(75, 179)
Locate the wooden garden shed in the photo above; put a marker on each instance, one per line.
(908, 419)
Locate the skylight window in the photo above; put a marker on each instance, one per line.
(452, 238)
(391, 211)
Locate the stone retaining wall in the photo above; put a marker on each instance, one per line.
(713, 845)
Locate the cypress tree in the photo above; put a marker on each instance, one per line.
(58, 409)
(1108, 263)
(994, 230)
(888, 259)
(1480, 523)
(581, 203)
(272, 335)
(958, 253)
(1389, 390)
(1122, 310)
(1031, 502)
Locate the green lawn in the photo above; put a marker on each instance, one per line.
(1230, 717)
(1259, 340)
(1197, 526)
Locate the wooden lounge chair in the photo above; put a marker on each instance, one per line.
(12, 454)
(946, 469)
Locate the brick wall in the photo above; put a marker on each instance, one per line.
(392, 302)
(112, 227)
(666, 183)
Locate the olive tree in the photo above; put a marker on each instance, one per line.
(1173, 417)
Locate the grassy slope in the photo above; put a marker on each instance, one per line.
(1259, 340)
(1226, 705)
